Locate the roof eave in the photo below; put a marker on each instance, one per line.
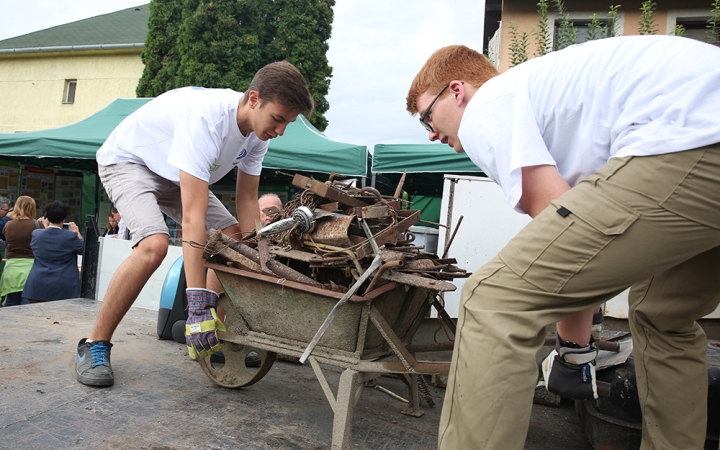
(72, 48)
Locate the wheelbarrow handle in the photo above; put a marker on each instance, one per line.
(376, 263)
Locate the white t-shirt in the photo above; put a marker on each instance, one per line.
(190, 129)
(578, 107)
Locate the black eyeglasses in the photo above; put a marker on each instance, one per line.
(427, 110)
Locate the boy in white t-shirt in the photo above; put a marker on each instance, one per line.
(162, 159)
(613, 148)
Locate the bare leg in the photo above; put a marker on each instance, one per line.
(576, 327)
(126, 284)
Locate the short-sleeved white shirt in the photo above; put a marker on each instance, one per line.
(190, 129)
(578, 107)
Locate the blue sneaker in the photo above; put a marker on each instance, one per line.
(92, 363)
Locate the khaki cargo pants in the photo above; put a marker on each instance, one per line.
(648, 222)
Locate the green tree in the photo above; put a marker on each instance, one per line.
(596, 30)
(542, 34)
(299, 34)
(218, 44)
(713, 24)
(647, 18)
(613, 20)
(566, 32)
(159, 55)
(222, 43)
(518, 45)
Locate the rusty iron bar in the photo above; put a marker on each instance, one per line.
(398, 189)
(333, 249)
(391, 393)
(452, 238)
(387, 266)
(278, 268)
(432, 347)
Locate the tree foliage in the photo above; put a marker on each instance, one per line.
(222, 43)
(542, 34)
(647, 18)
(713, 24)
(159, 55)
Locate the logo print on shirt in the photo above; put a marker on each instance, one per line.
(242, 154)
(214, 167)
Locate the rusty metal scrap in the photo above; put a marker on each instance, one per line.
(335, 252)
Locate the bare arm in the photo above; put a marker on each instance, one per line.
(246, 201)
(194, 194)
(540, 185)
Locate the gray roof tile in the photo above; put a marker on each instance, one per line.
(128, 26)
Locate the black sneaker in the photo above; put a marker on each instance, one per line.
(92, 364)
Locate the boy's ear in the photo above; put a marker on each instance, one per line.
(253, 98)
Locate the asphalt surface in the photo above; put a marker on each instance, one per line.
(162, 400)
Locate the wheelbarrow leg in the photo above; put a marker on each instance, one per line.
(351, 386)
(413, 409)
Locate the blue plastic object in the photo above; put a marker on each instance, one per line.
(170, 285)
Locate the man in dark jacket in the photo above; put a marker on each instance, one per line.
(55, 253)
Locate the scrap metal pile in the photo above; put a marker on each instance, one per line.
(325, 238)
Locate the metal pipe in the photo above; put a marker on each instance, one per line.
(381, 271)
(432, 347)
(278, 268)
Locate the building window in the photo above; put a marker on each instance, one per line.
(694, 21)
(69, 94)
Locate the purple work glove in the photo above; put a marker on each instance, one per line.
(202, 323)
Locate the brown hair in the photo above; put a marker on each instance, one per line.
(24, 207)
(281, 82)
(455, 62)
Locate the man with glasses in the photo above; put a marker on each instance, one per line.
(613, 147)
(270, 208)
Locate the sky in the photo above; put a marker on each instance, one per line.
(376, 48)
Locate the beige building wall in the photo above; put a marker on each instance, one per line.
(524, 14)
(33, 86)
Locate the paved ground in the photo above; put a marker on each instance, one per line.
(163, 400)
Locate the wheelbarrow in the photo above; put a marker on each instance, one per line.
(368, 338)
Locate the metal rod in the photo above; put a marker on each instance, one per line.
(376, 263)
(328, 320)
(432, 347)
(390, 393)
(398, 189)
(449, 243)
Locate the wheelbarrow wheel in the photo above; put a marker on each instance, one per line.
(228, 368)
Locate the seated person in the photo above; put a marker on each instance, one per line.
(55, 253)
(112, 229)
(270, 208)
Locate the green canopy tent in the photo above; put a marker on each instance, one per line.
(420, 158)
(301, 148)
(304, 148)
(425, 165)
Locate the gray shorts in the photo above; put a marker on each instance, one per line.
(141, 196)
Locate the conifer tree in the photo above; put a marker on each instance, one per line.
(218, 44)
(159, 55)
(222, 43)
(299, 35)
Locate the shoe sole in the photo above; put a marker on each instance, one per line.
(94, 381)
